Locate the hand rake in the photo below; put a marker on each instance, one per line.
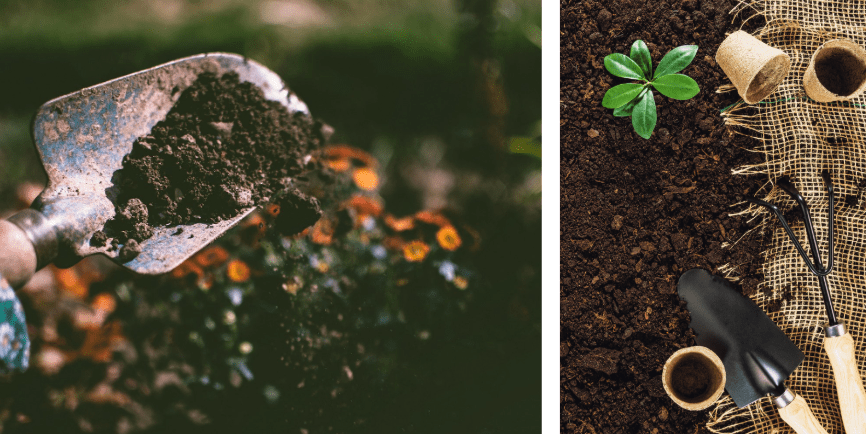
(838, 343)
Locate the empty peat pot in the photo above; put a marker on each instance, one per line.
(755, 68)
(837, 71)
(694, 377)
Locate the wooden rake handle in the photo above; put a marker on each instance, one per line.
(798, 414)
(849, 385)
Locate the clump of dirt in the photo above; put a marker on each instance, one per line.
(222, 148)
(297, 212)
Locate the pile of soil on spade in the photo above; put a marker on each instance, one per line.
(638, 213)
(222, 148)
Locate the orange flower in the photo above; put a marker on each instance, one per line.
(432, 218)
(339, 151)
(448, 238)
(238, 271)
(338, 165)
(98, 343)
(401, 224)
(323, 232)
(273, 209)
(185, 269)
(365, 179)
(460, 282)
(71, 282)
(364, 206)
(212, 257)
(254, 219)
(291, 287)
(104, 302)
(206, 282)
(415, 251)
(345, 152)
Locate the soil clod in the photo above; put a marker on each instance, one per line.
(601, 359)
(99, 239)
(297, 212)
(129, 250)
(222, 148)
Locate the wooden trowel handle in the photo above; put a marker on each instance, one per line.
(852, 398)
(798, 414)
(28, 242)
(17, 255)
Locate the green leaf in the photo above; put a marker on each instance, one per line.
(620, 94)
(676, 60)
(643, 117)
(641, 55)
(625, 110)
(621, 65)
(676, 86)
(525, 145)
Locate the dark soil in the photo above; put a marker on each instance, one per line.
(638, 213)
(297, 212)
(222, 148)
(692, 378)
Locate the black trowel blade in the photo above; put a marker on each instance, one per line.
(757, 355)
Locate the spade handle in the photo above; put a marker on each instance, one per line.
(17, 255)
(28, 242)
(852, 398)
(798, 414)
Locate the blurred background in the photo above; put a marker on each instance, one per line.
(440, 98)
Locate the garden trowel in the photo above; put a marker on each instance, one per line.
(757, 355)
(82, 139)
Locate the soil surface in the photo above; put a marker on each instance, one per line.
(638, 213)
(222, 148)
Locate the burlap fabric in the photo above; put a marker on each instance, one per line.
(799, 138)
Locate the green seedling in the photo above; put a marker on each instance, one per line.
(636, 99)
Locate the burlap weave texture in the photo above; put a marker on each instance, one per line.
(800, 138)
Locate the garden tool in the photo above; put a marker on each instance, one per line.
(838, 343)
(82, 138)
(758, 357)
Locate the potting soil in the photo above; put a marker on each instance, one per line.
(692, 379)
(800, 138)
(222, 148)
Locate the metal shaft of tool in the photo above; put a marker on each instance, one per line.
(813, 243)
(822, 280)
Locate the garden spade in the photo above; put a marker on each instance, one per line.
(757, 355)
(82, 138)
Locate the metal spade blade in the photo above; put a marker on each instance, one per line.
(757, 355)
(82, 139)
